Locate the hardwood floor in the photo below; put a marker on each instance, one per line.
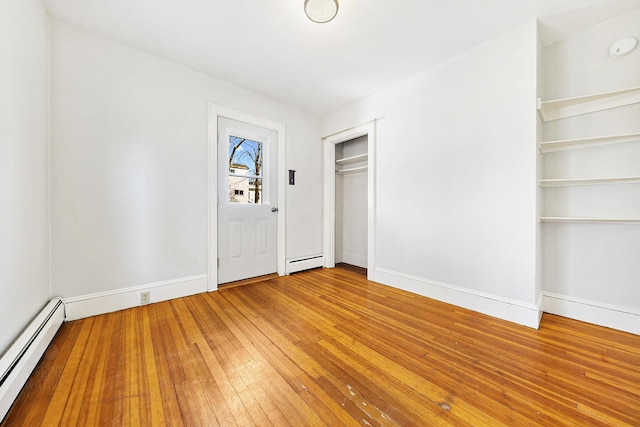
(326, 347)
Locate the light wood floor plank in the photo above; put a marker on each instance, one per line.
(153, 412)
(328, 348)
(66, 395)
(97, 360)
(165, 354)
(74, 392)
(297, 378)
(266, 378)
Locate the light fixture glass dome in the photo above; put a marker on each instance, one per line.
(321, 11)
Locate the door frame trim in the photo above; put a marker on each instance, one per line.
(330, 142)
(214, 112)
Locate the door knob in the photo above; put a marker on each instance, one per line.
(274, 209)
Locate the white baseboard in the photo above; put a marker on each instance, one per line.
(492, 305)
(611, 316)
(357, 260)
(120, 299)
(19, 361)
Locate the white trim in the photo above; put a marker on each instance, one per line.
(330, 141)
(329, 206)
(611, 316)
(120, 299)
(492, 305)
(216, 111)
(19, 361)
(540, 307)
(357, 260)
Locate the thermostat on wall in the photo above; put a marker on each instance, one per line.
(623, 46)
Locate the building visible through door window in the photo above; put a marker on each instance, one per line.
(245, 170)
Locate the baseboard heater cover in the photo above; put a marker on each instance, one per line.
(19, 361)
(304, 263)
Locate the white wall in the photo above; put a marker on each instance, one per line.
(596, 263)
(456, 178)
(24, 234)
(351, 207)
(129, 166)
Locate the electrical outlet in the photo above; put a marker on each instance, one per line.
(145, 297)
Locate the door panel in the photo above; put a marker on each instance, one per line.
(262, 238)
(247, 192)
(236, 240)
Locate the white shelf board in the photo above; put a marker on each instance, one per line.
(569, 107)
(352, 159)
(590, 220)
(587, 181)
(352, 170)
(571, 144)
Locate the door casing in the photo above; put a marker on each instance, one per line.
(216, 111)
(330, 141)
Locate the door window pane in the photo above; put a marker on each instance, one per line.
(245, 170)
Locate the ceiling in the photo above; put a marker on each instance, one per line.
(270, 47)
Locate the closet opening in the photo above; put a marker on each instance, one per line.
(351, 167)
(349, 215)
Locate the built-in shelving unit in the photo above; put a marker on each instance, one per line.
(568, 107)
(572, 144)
(590, 220)
(587, 181)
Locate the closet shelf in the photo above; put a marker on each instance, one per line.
(571, 144)
(590, 220)
(352, 170)
(352, 159)
(587, 181)
(569, 107)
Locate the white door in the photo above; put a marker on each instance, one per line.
(247, 200)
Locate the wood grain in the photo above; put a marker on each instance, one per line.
(328, 348)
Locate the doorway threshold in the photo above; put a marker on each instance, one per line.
(353, 268)
(247, 281)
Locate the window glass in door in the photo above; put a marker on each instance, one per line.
(245, 176)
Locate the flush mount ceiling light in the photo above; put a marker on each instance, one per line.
(321, 11)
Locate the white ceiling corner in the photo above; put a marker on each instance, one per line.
(271, 48)
(562, 25)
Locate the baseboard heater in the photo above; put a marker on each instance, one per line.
(304, 263)
(17, 363)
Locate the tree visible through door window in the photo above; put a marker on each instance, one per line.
(245, 170)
